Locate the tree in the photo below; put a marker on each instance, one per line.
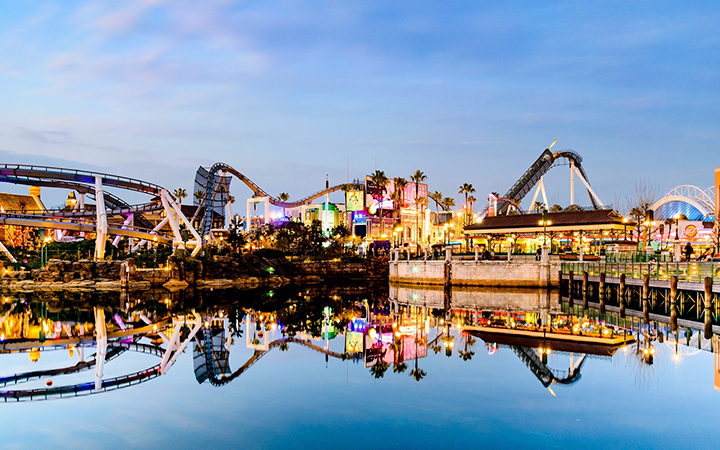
(447, 203)
(180, 193)
(640, 204)
(417, 178)
(380, 180)
(466, 189)
(400, 184)
(437, 197)
(556, 208)
(283, 197)
(199, 195)
(537, 206)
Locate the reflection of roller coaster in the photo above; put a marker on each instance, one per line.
(219, 170)
(540, 167)
(86, 388)
(214, 362)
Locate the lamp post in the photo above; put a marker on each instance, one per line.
(625, 222)
(544, 223)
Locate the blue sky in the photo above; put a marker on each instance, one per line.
(288, 91)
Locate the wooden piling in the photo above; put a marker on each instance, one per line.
(673, 302)
(570, 287)
(585, 288)
(621, 295)
(601, 293)
(645, 293)
(708, 307)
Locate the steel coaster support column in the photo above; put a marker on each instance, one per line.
(175, 217)
(587, 185)
(7, 253)
(572, 182)
(101, 220)
(101, 348)
(153, 231)
(128, 222)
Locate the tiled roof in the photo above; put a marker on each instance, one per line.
(560, 219)
(17, 202)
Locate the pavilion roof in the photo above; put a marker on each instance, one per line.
(601, 219)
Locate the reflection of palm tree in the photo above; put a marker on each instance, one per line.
(417, 373)
(378, 370)
(399, 367)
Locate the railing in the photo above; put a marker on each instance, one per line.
(684, 271)
(636, 257)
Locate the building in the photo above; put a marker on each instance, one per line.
(564, 231)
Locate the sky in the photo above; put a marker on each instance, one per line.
(289, 92)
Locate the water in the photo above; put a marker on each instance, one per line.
(295, 398)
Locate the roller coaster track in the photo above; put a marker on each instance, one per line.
(83, 182)
(542, 372)
(210, 193)
(532, 175)
(257, 355)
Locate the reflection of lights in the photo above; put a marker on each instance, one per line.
(625, 349)
(373, 333)
(676, 357)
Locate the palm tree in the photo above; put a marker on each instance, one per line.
(417, 178)
(379, 179)
(556, 208)
(400, 184)
(467, 189)
(283, 197)
(447, 203)
(471, 199)
(537, 206)
(199, 195)
(180, 194)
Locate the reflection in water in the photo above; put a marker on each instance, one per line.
(363, 325)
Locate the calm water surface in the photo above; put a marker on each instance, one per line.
(355, 368)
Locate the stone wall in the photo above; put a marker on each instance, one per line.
(476, 273)
(369, 269)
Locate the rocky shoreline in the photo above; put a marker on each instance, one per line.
(181, 273)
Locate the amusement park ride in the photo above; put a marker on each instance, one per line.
(135, 225)
(140, 231)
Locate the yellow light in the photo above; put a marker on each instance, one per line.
(154, 327)
(207, 324)
(625, 349)
(676, 357)
(540, 350)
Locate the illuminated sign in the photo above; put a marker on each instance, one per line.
(353, 342)
(690, 231)
(354, 201)
(717, 194)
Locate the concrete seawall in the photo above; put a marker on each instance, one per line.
(476, 273)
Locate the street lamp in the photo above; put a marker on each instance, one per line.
(625, 222)
(544, 223)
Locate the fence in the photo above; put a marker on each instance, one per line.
(684, 271)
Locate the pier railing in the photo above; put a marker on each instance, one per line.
(684, 271)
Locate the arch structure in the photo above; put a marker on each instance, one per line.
(93, 185)
(691, 201)
(210, 202)
(533, 175)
